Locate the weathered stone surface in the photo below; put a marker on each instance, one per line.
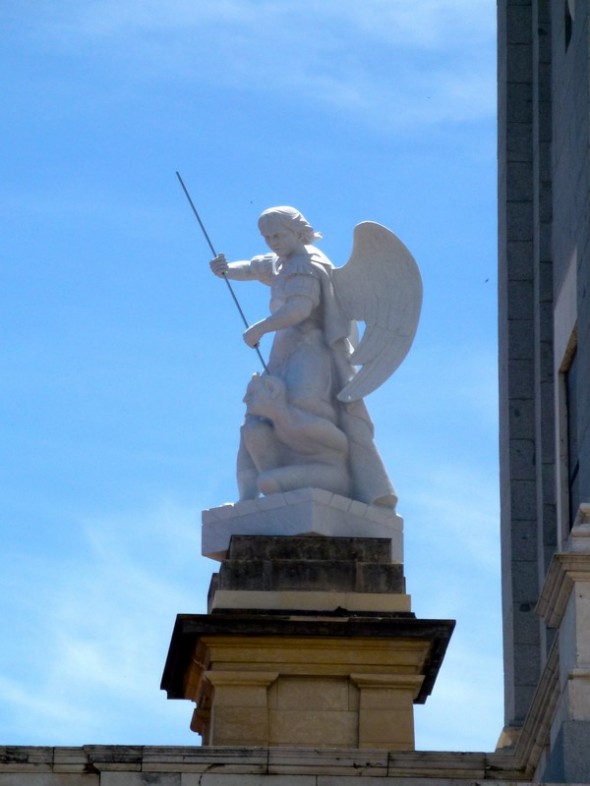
(257, 766)
(294, 602)
(371, 577)
(264, 631)
(329, 571)
(310, 575)
(359, 549)
(287, 575)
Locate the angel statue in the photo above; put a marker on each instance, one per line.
(308, 425)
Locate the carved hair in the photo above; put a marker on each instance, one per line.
(292, 219)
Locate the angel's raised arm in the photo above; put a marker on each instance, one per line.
(255, 269)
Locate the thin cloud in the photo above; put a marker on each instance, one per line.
(403, 69)
(104, 627)
(463, 704)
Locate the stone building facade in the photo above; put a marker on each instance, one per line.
(544, 323)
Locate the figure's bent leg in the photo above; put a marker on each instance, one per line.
(301, 476)
(258, 436)
(258, 450)
(246, 475)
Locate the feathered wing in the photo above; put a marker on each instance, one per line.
(381, 286)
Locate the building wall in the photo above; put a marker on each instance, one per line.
(121, 765)
(544, 220)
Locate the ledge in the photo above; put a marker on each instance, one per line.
(304, 766)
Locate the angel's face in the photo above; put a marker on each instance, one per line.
(280, 239)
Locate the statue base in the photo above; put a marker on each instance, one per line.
(302, 512)
(309, 642)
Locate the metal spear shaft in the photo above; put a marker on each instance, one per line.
(229, 286)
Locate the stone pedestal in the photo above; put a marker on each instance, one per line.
(302, 512)
(309, 642)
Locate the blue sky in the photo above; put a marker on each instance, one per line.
(123, 364)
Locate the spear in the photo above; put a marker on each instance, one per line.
(229, 286)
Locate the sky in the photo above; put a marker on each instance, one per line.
(123, 368)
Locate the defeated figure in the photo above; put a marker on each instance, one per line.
(290, 448)
(314, 308)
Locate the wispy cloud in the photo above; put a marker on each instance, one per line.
(389, 63)
(108, 608)
(103, 626)
(466, 703)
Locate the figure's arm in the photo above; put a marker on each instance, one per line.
(237, 271)
(295, 310)
(304, 297)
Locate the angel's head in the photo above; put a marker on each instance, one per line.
(286, 230)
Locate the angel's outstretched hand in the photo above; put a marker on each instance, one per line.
(219, 265)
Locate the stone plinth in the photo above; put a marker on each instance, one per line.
(309, 573)
(309, 642)
(264, 679)
(302, 512)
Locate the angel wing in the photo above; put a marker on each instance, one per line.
(381, 286)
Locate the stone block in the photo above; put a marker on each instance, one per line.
(313, 693)
(243, 574)
(524, 541)
(338, 575)
(519, 62)
(240, 696)
(391, 729)
(525, 583)
(522, 418)
(372, 577)
(25, 759)
(520, 255)
(520, 301)
(519, 104)
(47, 779)
(519, 29)
(523, 501)
(305, 728)
(522, 459)
(140, 779)
(519, 175)
(316, 601)
(239, 726)
(519, 224)
(311, 575)
(578, 695)
(223, 779)
(193, 762)
(521, 372)
(281, 575)
(385, 699)
(527, 669)
(331, 764)
(569, 761)
(247, 547)
(302, 512)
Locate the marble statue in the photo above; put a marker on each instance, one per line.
(306, 423)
